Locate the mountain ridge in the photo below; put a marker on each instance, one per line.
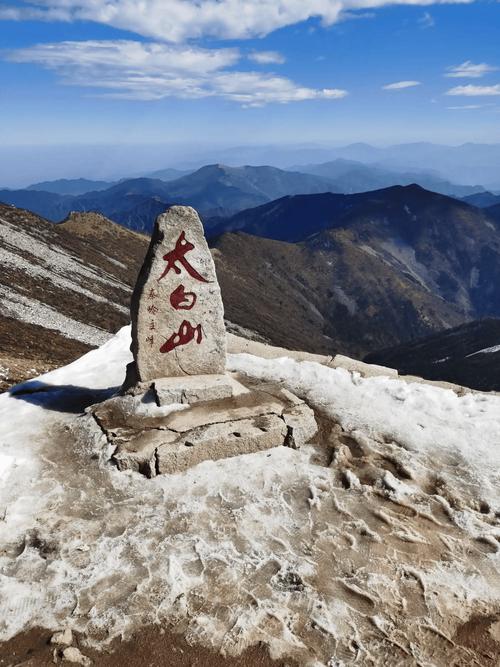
(468, 355)
(215, 190)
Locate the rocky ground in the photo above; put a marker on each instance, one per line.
(377, 544)
(151, 647)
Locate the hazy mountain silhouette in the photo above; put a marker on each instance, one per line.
(350, 176)
(75, 186)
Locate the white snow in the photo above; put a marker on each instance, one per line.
(486, 350)
(31, 310)
(423, 419)
(32, 269)
(56, 259)
(100, 368)
(213, 550)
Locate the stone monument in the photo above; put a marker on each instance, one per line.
(179, 348)
(177, 312)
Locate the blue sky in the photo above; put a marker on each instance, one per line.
(242, 71)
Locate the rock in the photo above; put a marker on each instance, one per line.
(301, 425)
(238, 345)
(139, 451)
(245, 406)
(64, 638)
(192, 389)
(72, 654)
(221, 440)
(246, 422)
(177, 312)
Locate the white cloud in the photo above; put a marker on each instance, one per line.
(401, 85)
(427, 20)
(134, 70)
(469, 70)
(266, 57)
(467, 106)
(125, 55)
(475, 91)
(179, 20)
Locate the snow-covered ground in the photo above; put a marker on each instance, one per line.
(377, 544)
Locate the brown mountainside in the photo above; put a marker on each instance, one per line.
(382, 268)
(340, 298)
(63, 289)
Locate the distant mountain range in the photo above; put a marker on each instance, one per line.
(297, 217)
(483, 199)
(468, 163)
(168, 174)
(350, 177)
(214, 190)
(468, 355)
(135, 203)
(353, 272)
(322, 272)
(65, 186)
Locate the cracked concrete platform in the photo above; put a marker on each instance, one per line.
(154, 439)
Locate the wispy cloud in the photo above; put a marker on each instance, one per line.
(266, 57)
(465, 107)
(469, 70)
(401, 85)
(179, 20)
(475, 91)
(134, 70)
(427, 20)
(94, 56)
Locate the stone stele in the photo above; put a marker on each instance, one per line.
(177, 312)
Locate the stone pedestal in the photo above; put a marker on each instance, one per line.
(192, 389)
(250, 421)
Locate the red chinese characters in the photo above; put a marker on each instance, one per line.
(180, 299)
(185, 335)
(152, 310)
(178, 254)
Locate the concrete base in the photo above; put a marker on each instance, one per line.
(154, 443)
(192, 389)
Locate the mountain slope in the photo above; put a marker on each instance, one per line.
(385, 266)
(494, 212)
(381, 268)
(468, 355)
(337, 298)
(63, 288)
(483, 199)
(48, 205)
